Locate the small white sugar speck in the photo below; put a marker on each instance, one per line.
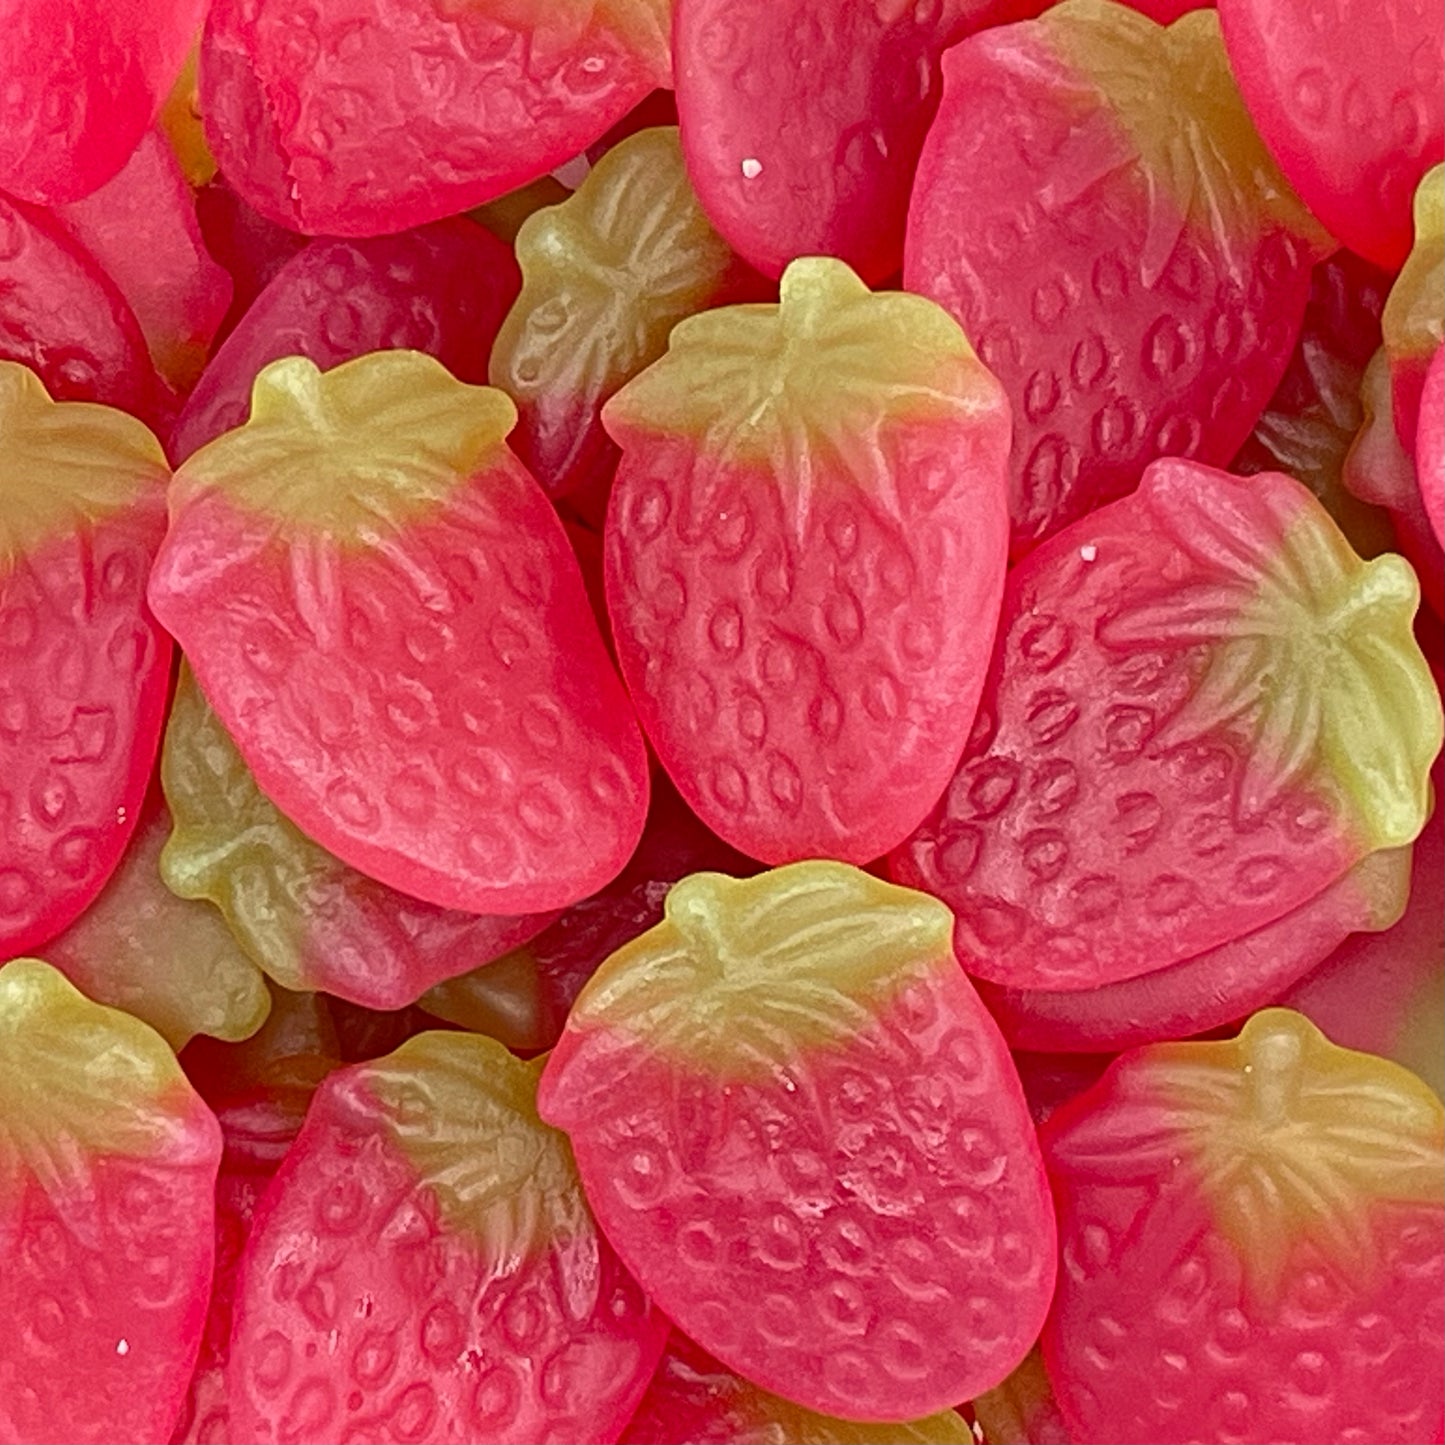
(122, 1347)
(752, 168)
(1088, 551)
(120, 817)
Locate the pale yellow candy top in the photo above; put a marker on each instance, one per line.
(814, 378)
(464, 1111)
(80, 1081)
(608, 273)
(1295, 1137)
(66, 464)
(1311, 651)
(362, 447)
(746, 974)
(1414, 316)
(1175, 96)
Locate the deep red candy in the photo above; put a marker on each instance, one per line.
(443, 289)
(1430, 445)
(357, 117)
(142, 228)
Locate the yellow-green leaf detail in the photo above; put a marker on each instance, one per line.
(1201, 159)
(1295, 1138)
(1414, 317)
(813, 380)
(78, 1082)
(1309, 653)
(231, 845)
(464, 1112)
(744, 976)
(607, 275)
(354, 452)
(66, 465)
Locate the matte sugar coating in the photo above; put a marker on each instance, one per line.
(608, 273)
(803, 556)
(801, 1131)
(427, 1233)
(1095, 208)
(387, 616)
(107, 1176)
(82, 511)
(1285, 1197)
(1203, 710)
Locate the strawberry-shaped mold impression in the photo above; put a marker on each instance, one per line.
(354, 117)
(1218, 986)
(1349, 96)
(442, 289)
(424, 1267)
(83, 665)
(1095, 208)
(1204, 709)
(107, 1205)
(607, 275)
(1252, 1245)
(694, 1398)
(802, 119)
(79, 86)
(305, 917)
(386, 615)
(805, 552)
(801, 1131)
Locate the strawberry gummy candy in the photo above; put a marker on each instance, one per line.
(1350, 99)
(1253, 1245)
(800, 1129)
(107, 1197)
(424, 1267)
(80, 84)
(358, 117)
(442, 289)
(1212, 988)
(805, 551)
(802, 119)
(388, 619)
(607, 275)
(63, 317)
(142, 228)
(167, 961)
(304, 916)
(1203, 710)
(1095, 208)
(694, 1398)
(83, 666)
(524, 999)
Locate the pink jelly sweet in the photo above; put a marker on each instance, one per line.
(358, 118)
(1347, 96)
(79, 85)
(442, 289)
(1430, 445)
(424, 1267)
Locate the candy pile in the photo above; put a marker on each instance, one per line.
(719, 722)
